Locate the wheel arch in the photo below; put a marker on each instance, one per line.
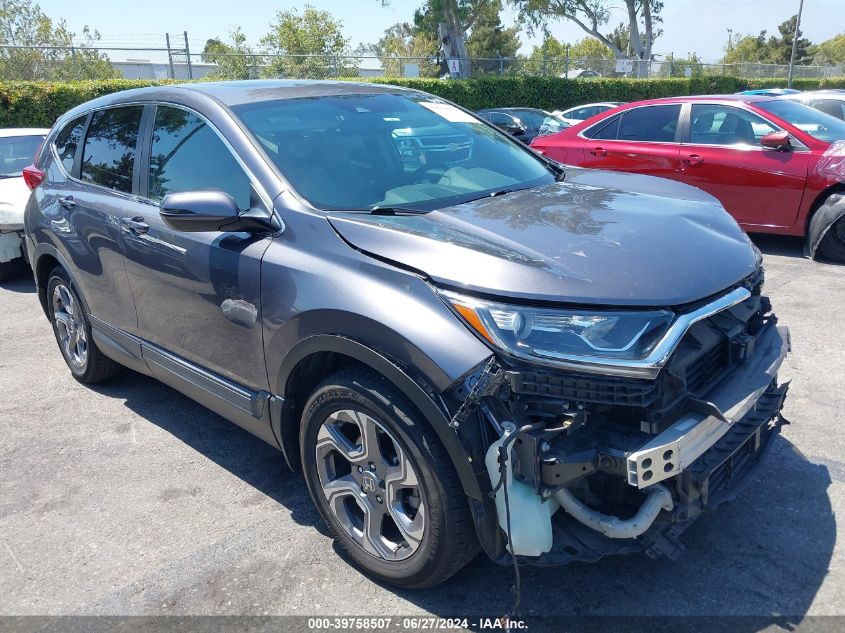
(45, 259)
(819, 221)
(317, 357)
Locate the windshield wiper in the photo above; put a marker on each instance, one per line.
(393, 210)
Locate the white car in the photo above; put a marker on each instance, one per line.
(17, 150)
(830, 102)
(575, 115)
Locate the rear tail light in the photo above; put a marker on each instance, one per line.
(32, 176)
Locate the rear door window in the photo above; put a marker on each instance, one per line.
(655, 124)
(67, 143)
(108, 158)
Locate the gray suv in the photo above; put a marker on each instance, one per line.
(476, 349)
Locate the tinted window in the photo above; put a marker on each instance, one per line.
(726, 125)
(650, 123)
(830, 106)
(501, 119)
(606, 130)
(364, 150)
(67, 142)
(815, 123)
(187, 155)
(109, 155)
(16, 152)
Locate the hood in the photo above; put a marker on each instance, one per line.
(600, 238)
(14, 195)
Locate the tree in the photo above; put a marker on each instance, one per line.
(490, 41)
(746, 48)
(64, 56)
(402, 44)
(777, 49)
(780, 47)
(831, 51)
(307, 45)
(234, 60)
(450, 21)
(549, 58)
(590, 15)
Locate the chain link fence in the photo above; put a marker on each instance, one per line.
(51, 63)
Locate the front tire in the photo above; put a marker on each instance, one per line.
(73, 332)
(832, 245)
(383, 483)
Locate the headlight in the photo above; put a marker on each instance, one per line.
(605, 336)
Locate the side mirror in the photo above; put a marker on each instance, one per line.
(777, 140)
(194, 211)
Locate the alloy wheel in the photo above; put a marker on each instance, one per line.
(70, 327)
(370, 485)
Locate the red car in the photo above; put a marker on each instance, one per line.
(775, 165)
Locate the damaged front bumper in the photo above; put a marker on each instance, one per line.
(598, 468)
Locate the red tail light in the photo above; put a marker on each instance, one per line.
(32, 176)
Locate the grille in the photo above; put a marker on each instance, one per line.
(707, 368)
(625, 392)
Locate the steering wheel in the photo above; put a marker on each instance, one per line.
(427, 170)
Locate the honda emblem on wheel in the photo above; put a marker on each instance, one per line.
(368, 484)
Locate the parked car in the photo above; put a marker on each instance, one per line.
(525, 124)
(769, 92)
(776, 166)
(17, 147)
(829, 102)
(458, 357)
(580, 113)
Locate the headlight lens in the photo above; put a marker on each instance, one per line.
(563, 334)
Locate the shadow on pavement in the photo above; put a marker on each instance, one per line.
(242, 454)
(785, 246)
(24, 284)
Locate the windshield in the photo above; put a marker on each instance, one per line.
(16, 152)
(365, 151)
(817, 124)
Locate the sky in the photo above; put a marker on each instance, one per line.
(698, 26)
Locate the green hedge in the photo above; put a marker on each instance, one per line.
(37, 104)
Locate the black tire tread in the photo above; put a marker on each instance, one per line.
(461, 544)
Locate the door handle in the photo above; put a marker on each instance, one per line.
(694, 160)
(598, 151)
(67, 202)
(136, 225)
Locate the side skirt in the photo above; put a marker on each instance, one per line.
(247, 408)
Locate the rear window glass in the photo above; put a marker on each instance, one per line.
(16, 152)
(109, 156)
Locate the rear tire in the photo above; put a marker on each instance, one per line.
(72, 329)
(383, 483)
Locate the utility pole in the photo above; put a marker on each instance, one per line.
(169, 56)
(188, 56)
(794, 44)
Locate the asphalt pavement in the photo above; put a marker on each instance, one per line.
(129, 499)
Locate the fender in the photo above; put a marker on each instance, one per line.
(349, 347)
(831, 210)
(45, 248)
